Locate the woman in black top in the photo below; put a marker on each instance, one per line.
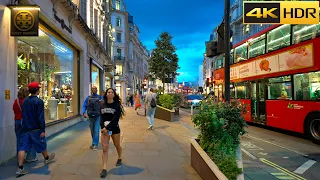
(111, 111)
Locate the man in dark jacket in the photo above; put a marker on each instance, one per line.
(33, 128)
(91, 109)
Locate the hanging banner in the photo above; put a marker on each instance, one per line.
(24, 20)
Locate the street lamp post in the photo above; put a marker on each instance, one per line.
(227, 74)
(227, 50)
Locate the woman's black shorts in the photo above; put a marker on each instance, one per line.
(116, 130)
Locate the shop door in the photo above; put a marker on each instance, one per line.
(258, 103)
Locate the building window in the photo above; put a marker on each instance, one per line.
(95, 76)
(119, 70)
(118, 37)
(246, 29)
(118, 22)
(96, 24)
(119, 53)
(51, 62)
(117, 4)
(278, 38)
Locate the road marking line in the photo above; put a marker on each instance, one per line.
(278, 145)
(249, 154)
(284, 177)
(289, 173)
(304, 167)
(262, 153)
(278, 174)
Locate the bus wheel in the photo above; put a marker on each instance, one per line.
(313, 127)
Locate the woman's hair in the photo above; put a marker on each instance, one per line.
(23, 92)
(116, 99)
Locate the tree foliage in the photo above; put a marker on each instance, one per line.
(164, 60)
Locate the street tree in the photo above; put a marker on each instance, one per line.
(163, 63)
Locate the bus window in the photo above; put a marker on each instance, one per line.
(241, 90)
(257, 46)
(303, 32)
(307, 86)
(280, 88)
(241, 53)
(278, 38)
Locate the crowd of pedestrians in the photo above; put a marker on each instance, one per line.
(103, 112)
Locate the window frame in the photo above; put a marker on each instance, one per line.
(275, 29)
(118, 37)
(282, 82)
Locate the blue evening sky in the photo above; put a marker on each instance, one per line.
(189, 21)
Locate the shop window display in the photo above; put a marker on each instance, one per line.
(50, 62)
(95, 75)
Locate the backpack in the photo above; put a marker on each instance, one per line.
(93, 106)
(153, 103)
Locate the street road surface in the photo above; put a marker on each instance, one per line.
(272, 155)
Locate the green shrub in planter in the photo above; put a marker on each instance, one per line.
(166, 101)
(221, 125)
(177, 98)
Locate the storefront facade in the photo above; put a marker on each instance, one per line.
(57, 58)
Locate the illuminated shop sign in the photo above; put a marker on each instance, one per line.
(24, 20)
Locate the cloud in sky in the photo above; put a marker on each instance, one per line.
(189, 22)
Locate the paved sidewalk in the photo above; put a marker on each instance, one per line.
(161, 154)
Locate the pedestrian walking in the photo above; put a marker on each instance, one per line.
(131, 99)
(128, 100)
(111, 112)
(150, 105)
(17, 109)
(33, 128)
(137, 103)
(91, 110)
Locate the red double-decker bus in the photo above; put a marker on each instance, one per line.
(276, 73)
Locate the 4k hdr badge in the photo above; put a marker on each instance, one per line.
(24, 20)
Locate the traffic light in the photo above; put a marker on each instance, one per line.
(220, 42)
(211, 49)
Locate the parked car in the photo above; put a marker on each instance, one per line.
(192, 99)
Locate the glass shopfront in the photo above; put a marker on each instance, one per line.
(95, 76)
(51, 62)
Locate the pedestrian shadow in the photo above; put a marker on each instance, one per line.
(43, 170)
(162, 127)
(125, 170)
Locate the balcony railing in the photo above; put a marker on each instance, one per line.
(119, 58)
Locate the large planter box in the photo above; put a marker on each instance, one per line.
(164, 114)
(203, 164)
